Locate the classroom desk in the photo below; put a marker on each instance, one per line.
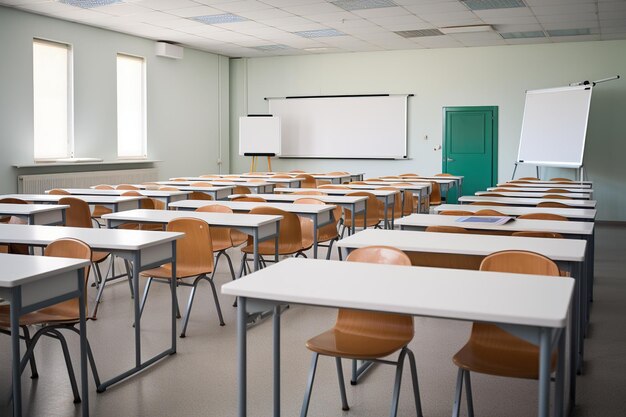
(535, 194)
(321, 215)
(569, 254)
(551, 184)
(115, 203)
(387, 197)
(256, 187)
(145, 249)
(571, 213)
(31, 283)
(540, 189)
(287, 182)
(516, 201)
(445, 183)
(217, 193)
(537, 306)
(334, 179)
(356, 205)
(260, 227)
(165, 196)
(420, 190)
(43, 214)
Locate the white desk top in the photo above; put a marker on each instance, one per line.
(19, 269)
(332, 199)
(407, 186)
(568, 250)
(147, 193)
(337, 191)
(570, 213)
(439, 180)
(520, 201)
(215, 219)
(527, 225)
(543, 184)
(249, 205)
(246, 178)
(535, 194)
(91, 199)
(98, 239)
(183, 186)
(539, 189)
(27, 209)
(433, 292)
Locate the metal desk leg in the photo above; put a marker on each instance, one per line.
(242, 393)
(386, 212)
(276, 320)
(15, 307)
(173, 297)
(559, 389)
(315, 222)
(83, 345)
(544, 371)
(255, 254)
(353, 216)
(393, 211)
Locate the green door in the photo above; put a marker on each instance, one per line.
(470, 146)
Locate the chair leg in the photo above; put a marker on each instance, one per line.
(94, 312)
(217, 301)
(416, 387)
(309, 386)
(90, 358)
(33, 365)
(468, 395)
(189, 304)
(130, 277)
(396, 386)
(242, 266)
(145, 296)
(230, 266)
(458, 392)
(68, 362)
(342, 385)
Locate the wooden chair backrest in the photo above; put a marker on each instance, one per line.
(553, 204)
(193, 251)
(289, 231)
(312, 192)
(373, 206)
(78, 213)
(492, 195)
(456, 213)
(397, 205)
(334, 186)
(58, 191)
(443, 174)
(435, 193)
(543, 216)
(528, 179)
(557, 190)
(145, 203)
(487, 212)
(556, 197)
(126, 187)
(561, 179)
(220, 236)
(104, 187)
(307, 181)
(251, 199)
(201, 184)
(549, 235)
(410, 174)
(446, 229)
(240, 189)
(487, 203)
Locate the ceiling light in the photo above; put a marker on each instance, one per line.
(466, 29)
(569, 32)
(492, 4)
(320, 33)
(523, 35)
(363, 4)
(269, 48)
(215, 19)
(419, 33)
(89, 4)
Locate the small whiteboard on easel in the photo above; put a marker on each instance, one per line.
(259, 135)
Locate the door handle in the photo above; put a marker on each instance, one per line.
(450, 159)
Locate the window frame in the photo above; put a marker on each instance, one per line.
(144, 107)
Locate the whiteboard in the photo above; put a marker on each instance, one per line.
(259, 135)
(555, 126)
(373, 126)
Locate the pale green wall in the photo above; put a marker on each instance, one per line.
(490, 76)
(187, 99)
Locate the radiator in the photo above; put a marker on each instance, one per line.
(37, 184)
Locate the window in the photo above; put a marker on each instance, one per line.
(52, 100)
(131, 107)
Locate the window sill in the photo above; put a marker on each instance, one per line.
(97, 163)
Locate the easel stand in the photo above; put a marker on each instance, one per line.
(255, 160)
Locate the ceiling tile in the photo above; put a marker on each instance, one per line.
(438, 42)
(287, 3)
(123, 9)
(451, 19)
(381, 12)
(554, 18)
(564, 9)
(165, 4)
(592, 24)
(195, 11)
(264, 14)
(242, 6)
(315, 8)
(285, 21)
(437, 7)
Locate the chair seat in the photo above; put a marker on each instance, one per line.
(328, 232)
(45, 316)
(165, 272)
(97, 257)
(99, 211)
(238, 237)
(354, 346)
(503, 355)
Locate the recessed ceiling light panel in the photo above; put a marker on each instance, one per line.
(419, 33)
(89, 4)
(363, 4)
(492, 4)
(320, 33)
(270, 48)
(523, 35)
(448, 30)
(215, 19)
(569, 32)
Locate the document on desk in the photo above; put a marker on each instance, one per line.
(495, 220)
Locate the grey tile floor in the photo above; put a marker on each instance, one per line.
(200, 380)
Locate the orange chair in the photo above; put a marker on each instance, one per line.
(211, 176)
(290, 240)
(446, 229)
(367, 335)
(98, 210)
(397, 205)
(487, 212)
(553, 204)
(126, 187)
(528, 179)
(557, 190)
(492, 350)
(543, 216)
(191, 261)
(372, 207)
(562, 180)
(221, 237)
(410, 200)
(201, 184)
(443, 174)
(145, 203)
(492, 195)
(410, 174)
(487, 203)
(198, 195)
(307, 181)
(456, 213)
(435, 194)
(240, 189)
(160, 205)
(328, 233)
(12, 247)
(297, 171)
(556, 197)
(50, 320)
(334, 186)
(58, 191)
(549, 235)
(252, 199)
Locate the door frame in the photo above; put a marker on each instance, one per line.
(494, 129)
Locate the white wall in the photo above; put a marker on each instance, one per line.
(187, 99)
(490, 76)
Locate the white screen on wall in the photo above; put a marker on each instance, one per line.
(259, 135)
(554, 126)
(343, 127)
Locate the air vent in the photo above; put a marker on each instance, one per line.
(363, 4)
(89, 4)
(419, 33)
(569, 32)
(492, 4)
(523, 35)
(215, 19)
(269, 48)
(321, 33)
